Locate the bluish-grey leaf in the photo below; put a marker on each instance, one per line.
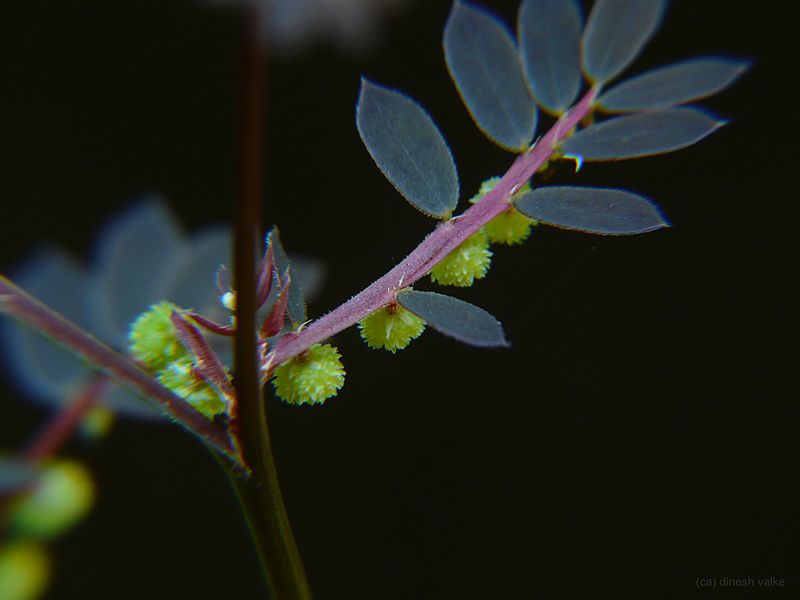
(296, 307)
(616, 32)
(16, 473)
(486, 69)
(549, 33)
(455, 318)
(45, 371)
(137, 253)
(674, 84)
(593, 210)
(408, 148)
(641, 134)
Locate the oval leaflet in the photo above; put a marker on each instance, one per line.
(408, 148)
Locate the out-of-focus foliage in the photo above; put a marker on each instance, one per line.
(290, 25)
(62, 496)
(141, 257)
(24, 570)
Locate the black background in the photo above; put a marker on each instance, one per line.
(640, 433)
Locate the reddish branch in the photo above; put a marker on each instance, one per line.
(437, 245)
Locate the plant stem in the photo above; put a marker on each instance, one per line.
(261, 501)
(447, 236)
(259, 493)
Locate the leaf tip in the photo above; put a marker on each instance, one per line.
(742, 65)
(365, 82)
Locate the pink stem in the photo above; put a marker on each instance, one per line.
(447, 236)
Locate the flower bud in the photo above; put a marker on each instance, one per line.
(510, 226)
(153, 339)
(179, 376)
(311, 377)
(465, 264)
(391, 327)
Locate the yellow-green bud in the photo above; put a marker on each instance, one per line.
(391, 327)
(468, 262)
(153, 339)
(63, 495)
(311, 377)
(486, 186)
(24, 570)
(97, 422)
(179, 377)
(510, 226)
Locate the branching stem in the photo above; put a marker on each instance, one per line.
(447, 236)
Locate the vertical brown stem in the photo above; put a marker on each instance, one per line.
(259, 494)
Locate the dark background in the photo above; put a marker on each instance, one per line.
(640, 433)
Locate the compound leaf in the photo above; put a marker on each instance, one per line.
(549, 33)
(408, 148)
(455, 318)
(592, 210)
(641, 134)
(674, 84)
(484, 64)
(616, 32)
